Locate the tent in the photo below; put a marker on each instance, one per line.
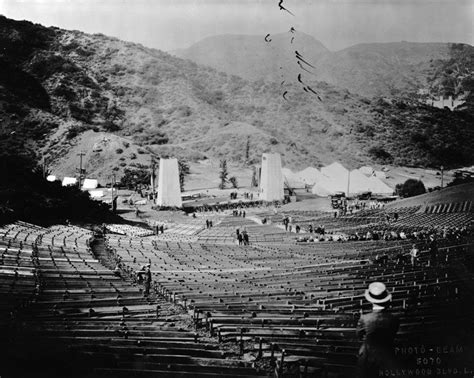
(358, 182)
(380, 174)
(333, 178)
(96, 193)
(309, 175)
(90, 184)
(51, 178)
(367, 170)
(326, 186)
(292, 179)
(335, 169)
(67, 181)
(379, 187)
(330, 185)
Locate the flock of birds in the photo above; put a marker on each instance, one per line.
(300, 60)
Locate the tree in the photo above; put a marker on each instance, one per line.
(233, 181)
(183, 171)
(223, 174)
(410, 188)
(135, 178)
(254, 177)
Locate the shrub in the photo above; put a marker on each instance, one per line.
(118, 150)
(410, 188)
(380, 154)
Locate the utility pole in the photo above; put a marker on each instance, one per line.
(442, 176)
(113, 185)
(152, 175)
(44, 167)
(81, 171)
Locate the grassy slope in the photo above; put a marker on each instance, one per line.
(168, 106)
(458, 193)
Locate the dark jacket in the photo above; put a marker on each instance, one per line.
(377, 331)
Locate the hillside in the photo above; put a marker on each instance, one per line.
(383, 69)
(369, 69)
(252, 58)
(450, 194)
(62, 92)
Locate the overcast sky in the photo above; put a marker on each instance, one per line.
(172, 24)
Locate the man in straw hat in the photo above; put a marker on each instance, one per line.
(377, 331)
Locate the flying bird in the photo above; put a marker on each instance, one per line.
(284, 94)
(283, 82)
(299, 78)
(283, 8)
(292, 29)
(292, 38)
(267, 38)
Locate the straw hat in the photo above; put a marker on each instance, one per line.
(377, 293)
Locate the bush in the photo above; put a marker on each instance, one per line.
(410, 188)
(380, 154)
(118, 150)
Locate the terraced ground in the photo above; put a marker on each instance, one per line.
(275, 307)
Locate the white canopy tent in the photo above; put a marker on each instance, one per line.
(379, 187)
(51, 178)
(358, 182)
(309, 175)
(67, 181)
(90, 184)
(292, 179)
(336, 178)
(96, 193)
(367, 170)
(335, 169)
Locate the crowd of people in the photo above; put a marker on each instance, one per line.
(221, 207)
(319, 234)
(238, 213)
(246, 195)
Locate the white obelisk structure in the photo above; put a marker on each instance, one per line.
(271, 180)
(169, 192)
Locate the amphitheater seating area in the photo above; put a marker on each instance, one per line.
(65, 314)
(71, 304)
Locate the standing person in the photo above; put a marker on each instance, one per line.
(246, 238)
(414, 255)
(147, 279)
(433, 248)
(240, 238)
(377, 331)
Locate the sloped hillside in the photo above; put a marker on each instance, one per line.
(67, 90)
(383, 69)
(394, 69)
(254, 58)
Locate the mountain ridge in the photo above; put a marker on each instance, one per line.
(91, 86)
(369, 69)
